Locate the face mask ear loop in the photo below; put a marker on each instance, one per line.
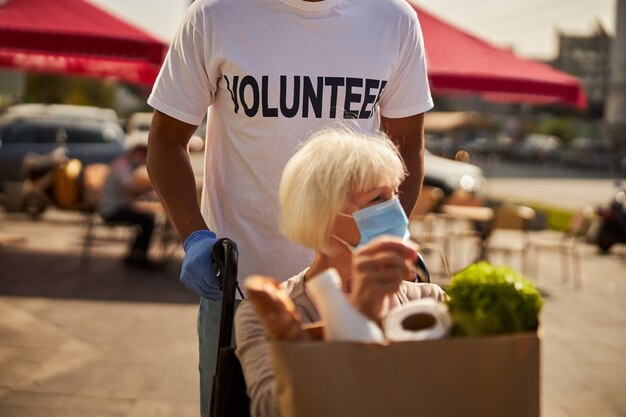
(346, 244)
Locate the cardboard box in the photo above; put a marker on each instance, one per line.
(482, 377)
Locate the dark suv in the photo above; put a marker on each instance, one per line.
(88, 139)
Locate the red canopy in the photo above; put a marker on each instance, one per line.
(76, 37)
(459, 62)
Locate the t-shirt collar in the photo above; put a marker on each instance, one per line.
(312, 5)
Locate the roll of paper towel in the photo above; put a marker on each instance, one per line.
(421, 319)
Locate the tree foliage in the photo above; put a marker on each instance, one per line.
(61, 89)
(557, 126)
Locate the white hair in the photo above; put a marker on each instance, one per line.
(325, 173)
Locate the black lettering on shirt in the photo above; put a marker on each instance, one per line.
(295, 101)
(267, 110)
(252, 110)
(334, 83)
(233, 91)
(314, 96)
(383, 84)
(305, 98)
(351, 97)
(368, 98)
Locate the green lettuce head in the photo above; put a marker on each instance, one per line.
(489, 300)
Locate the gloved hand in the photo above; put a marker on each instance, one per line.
(197, 272)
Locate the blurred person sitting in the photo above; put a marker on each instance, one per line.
(122, 187)
(336, 173)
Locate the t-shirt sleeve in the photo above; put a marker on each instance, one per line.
(184, 89)
(407, 92)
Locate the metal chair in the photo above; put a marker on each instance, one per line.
(512, 218)
(94, 176)
(567, 246)
(422, 224)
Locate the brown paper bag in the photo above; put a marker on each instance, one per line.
(481, 377)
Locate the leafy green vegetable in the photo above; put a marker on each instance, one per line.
(489, 300)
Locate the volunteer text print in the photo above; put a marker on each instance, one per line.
(302, 96)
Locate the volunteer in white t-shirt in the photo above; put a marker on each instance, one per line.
(272, 72)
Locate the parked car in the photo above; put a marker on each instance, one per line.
(89, 135)
(140, 122)
(538, 148)
(450, 175)
(67, 110)
(587, 153)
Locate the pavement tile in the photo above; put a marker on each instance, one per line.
(13, 321)
(27, 411)
(145, 408)
(66, 382)
(17, 372)
(172, 384)
(551, 408)
(91, 403)
(34, 399)
(115, 379)
(8, 353)
(592, 412)
(580, 398)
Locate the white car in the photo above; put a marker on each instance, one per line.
(450, 175)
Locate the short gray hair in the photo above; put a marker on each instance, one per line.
(325, 173)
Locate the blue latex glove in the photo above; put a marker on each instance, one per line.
(197, 272)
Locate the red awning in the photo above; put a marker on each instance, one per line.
(461, 63)
(76, 37)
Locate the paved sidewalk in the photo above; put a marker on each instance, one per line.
(115, 342)
(103, 341)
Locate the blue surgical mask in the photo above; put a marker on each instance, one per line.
(387, 218)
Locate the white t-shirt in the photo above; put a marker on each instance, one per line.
(114, 196)
(273, 72)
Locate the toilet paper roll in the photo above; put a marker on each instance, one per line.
(418, 320)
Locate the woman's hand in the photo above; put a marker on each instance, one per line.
(275, 309)
(378, 269)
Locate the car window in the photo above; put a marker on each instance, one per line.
(94, 133)
(32, 133)
(60, 131)
(79, 134)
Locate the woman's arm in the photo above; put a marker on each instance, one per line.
(254, 353)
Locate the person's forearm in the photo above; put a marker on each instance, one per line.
(171, 174)
(410, 189)
(173, 179)
(408, 134)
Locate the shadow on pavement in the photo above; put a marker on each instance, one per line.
(31, 273)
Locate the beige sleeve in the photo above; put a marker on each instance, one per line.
(253, 351)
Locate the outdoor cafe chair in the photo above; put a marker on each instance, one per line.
(515, 221)
(567, 244)
(423, 225)
(463, 209)
(94, 176)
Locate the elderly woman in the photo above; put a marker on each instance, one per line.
(335, 174)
